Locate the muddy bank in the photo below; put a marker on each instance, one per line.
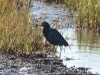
(37, 65)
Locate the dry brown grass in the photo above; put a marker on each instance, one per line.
(16, 33)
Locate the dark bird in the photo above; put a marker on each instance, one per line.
(53, 36)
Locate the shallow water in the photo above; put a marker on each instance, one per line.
(52, 13)
(86, 45)
(85, 50)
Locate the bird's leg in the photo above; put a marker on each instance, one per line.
(60, 52)
(55, 47)
(70, 46)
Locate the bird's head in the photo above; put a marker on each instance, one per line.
(45, 24)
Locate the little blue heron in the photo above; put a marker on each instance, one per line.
(53, 36)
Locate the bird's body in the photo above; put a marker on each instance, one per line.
(53, 36)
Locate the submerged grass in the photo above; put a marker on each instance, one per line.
(16, 32)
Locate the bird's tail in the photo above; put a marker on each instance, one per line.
(66, 44)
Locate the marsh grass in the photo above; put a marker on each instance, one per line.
(88, 12)
(16, 32)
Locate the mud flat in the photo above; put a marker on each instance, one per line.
(37, 65)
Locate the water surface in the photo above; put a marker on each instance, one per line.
(85, 50)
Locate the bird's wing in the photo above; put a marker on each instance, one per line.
(51, 37)
(57, 37)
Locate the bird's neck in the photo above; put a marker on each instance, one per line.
(46, 30)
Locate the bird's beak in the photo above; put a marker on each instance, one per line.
(37, 25)
(41, 24)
